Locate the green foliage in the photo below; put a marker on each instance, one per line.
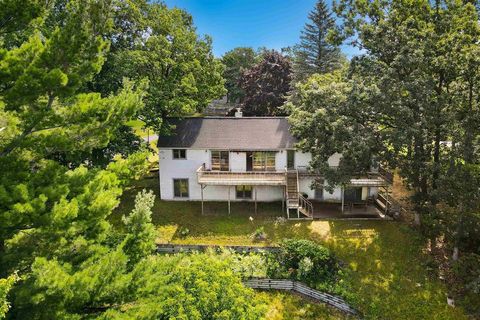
(161, 45)
(53, 211)
(140, 240)
(266, 85)
(315, 54)
(236, 62)
(259, 234)
(124, 142)
(327, 123)
(467, 273)
(305, 261)
(5, 286)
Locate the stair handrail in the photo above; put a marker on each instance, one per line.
(306, 204)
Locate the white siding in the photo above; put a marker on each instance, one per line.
(238, 161)
(305, 185)
(302, 160)
(186, 169)
(181, 169)
(281, 160)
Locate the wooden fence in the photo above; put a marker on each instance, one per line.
(176, 248)
(300, 288)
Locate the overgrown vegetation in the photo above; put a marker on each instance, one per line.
(385, 267)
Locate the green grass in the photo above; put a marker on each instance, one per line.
(389, 277)
(286, 306)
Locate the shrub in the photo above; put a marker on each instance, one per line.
(259, 234)
(184, 232)
(467, 269)
(303, 260)
(467, 274)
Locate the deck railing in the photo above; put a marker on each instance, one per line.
(264, 176)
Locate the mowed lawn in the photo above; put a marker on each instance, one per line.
(388, 274)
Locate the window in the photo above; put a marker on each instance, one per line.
(244, 192)
(179, 154)
(264, 161)
(180, 188)
(220, 160)
(290, 159)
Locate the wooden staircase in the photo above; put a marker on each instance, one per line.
(295, 200)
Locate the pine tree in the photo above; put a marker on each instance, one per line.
(315, 54)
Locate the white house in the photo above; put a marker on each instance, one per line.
(247, 159)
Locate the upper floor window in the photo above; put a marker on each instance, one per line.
(220, 160)
(264, 161)
(179, 154)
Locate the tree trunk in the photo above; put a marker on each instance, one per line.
(455, 253)
(417, 219)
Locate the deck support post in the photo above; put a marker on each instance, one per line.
(228, 200)
(201, 190)
(255, 187)
(283, 199)
(343, 199)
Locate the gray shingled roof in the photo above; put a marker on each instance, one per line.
(246, 133)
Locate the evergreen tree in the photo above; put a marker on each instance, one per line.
(315, 54)
(140, 240)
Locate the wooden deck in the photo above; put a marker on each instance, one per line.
(326, 210)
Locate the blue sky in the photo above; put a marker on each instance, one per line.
(250, 23)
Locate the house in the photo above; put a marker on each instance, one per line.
(249, 159)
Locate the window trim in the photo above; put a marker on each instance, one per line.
(243, 192)
(264, 161)
(179, 149)
(220, 165)
(188, 188)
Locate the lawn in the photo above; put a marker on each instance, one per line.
(387, 272)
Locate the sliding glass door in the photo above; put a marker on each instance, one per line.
(263, 161)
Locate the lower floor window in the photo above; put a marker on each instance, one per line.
(244, 192)
(180, 188)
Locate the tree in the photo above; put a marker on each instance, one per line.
(328, 121)
(124, 142)
(140, 240)
(153, 42)
(5, 286)
(236, 62)
(199, 286)
(266, 85)
(315, 54)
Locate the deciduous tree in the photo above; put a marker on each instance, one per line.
(266, 85)
(236, 62)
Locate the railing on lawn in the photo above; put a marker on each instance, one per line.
(298, 287)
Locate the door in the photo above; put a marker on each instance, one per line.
(290, 159)
(318, 193)
(353, 195)
(249, 161)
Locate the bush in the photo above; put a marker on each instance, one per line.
(305, 261)
(467, 269)
(467, 274)
(259, 234)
